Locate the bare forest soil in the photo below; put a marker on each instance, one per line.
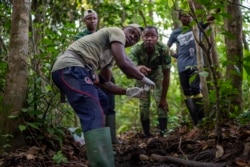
(181, 148)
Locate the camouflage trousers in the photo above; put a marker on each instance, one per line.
(147, 101)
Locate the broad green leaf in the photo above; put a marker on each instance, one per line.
(170, 3)
(12, 116)
(204, 73)
(22, 127)
(33, 125)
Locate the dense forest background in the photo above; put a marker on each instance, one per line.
(34, 32)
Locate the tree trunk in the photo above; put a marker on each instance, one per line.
(200, 53)
(16, 78)
(177, 24)
(234, 52)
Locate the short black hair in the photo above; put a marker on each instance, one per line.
(151, 27)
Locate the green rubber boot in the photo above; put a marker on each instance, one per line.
(99, 147)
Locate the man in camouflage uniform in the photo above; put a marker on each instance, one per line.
(154, 55)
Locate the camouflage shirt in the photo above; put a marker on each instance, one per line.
(158, 61)
(82, 34)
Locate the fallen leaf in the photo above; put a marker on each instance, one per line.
(241, 162)
(33, 150)
(246, 149)
(219, 151)
(30, 156)
(144, 157)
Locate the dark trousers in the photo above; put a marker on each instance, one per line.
(87, 100)
(190, 81)
(110, 109)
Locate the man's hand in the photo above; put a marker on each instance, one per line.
(143, 69)
(164, 105)
(148, 82)
(135, 92)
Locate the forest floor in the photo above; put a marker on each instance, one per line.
(182, 147)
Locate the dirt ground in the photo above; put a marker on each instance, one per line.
(182, 147)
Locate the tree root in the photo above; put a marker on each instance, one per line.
(183, 162)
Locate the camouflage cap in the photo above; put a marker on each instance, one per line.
(89, 12)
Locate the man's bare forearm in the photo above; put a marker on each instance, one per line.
(112, 88)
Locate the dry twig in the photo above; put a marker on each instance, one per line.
(183, 162)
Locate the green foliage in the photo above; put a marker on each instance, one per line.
(170, 3)
(244, 118)
(5, 139)
(246, 62)
(128, 112)
(59, 158)
(22, 128)
(38, 131)
(5, 23)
